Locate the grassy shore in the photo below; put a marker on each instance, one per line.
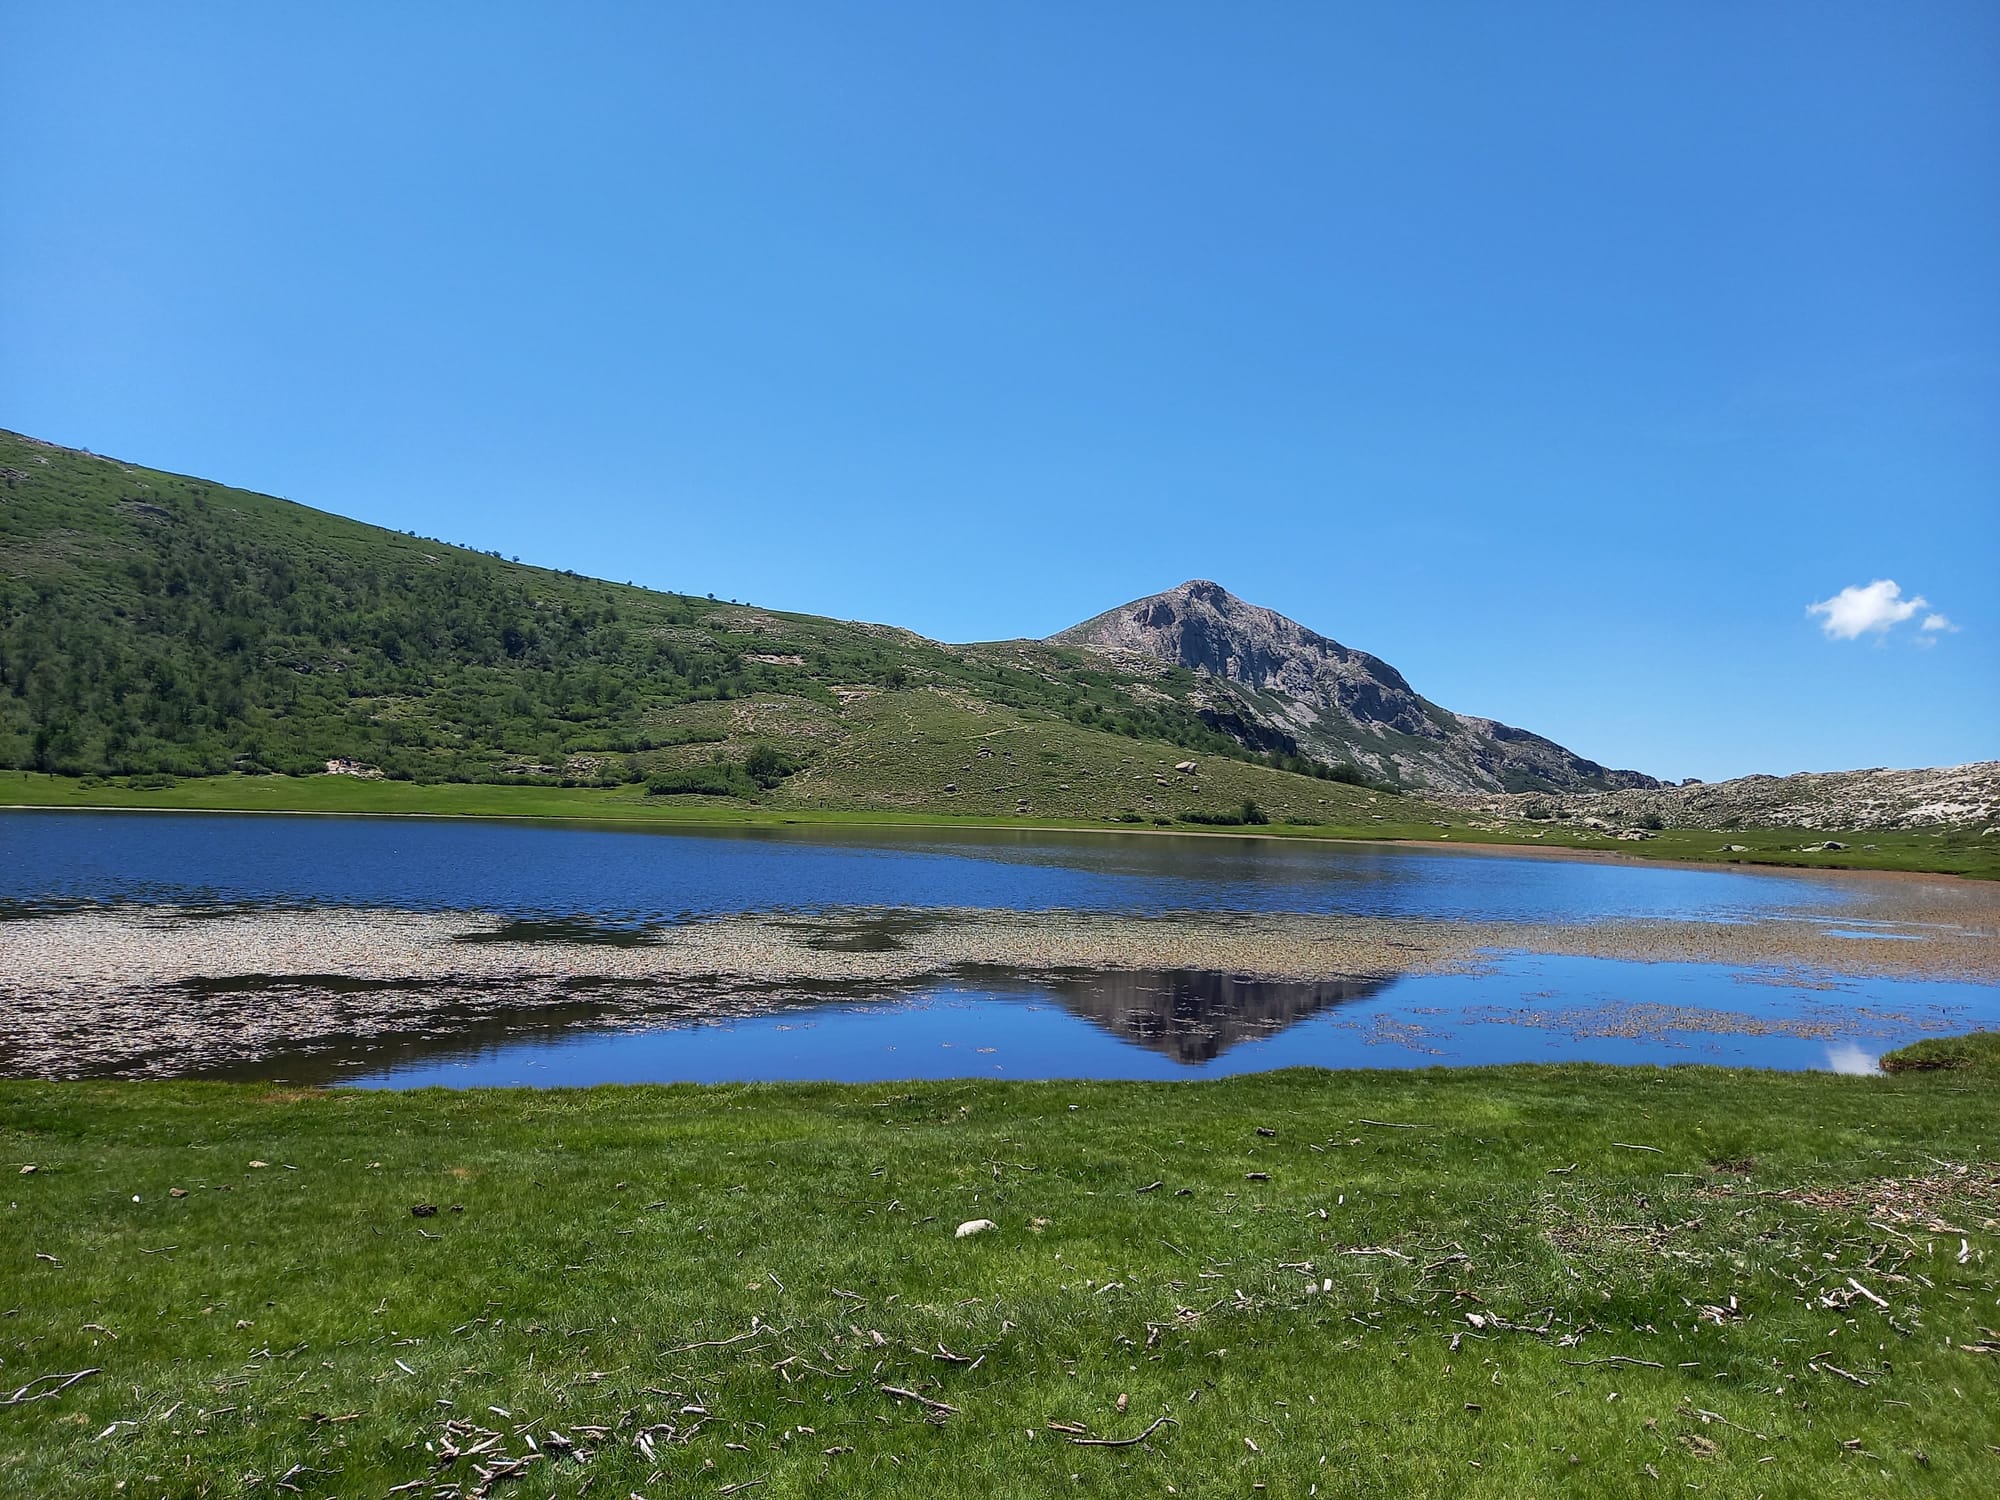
(1538, 1280)
(1941, 851)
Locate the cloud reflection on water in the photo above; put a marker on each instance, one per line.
(1846, 1057)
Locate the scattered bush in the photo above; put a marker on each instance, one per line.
(1346, 772)
(767, 765)
(763, 768)
(1249, 812)
(717, 779)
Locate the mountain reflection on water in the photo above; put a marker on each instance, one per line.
(400, 953)
(1194, 1016)
(1136, 1024)
(1190, 1017)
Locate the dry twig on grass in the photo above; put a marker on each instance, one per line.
(1097, 1442)
(22, 1398)
(903, 1394)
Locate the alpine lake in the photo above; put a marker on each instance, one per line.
(403, 953)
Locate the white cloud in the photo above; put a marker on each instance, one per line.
(1859, 609)
(1937, 622)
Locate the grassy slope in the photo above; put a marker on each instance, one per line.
(1978, 1052)
(1950, 851)
(778, 1255)
(151, 622)
(343, 794)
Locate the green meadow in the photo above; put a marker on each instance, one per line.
(1562, 1280)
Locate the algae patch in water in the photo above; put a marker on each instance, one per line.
(565, 930)
(884, 932)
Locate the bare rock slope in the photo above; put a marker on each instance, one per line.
(1276, 685)
(1965, 796)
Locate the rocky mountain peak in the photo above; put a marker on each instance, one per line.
(1278, 683)
(1203, 626)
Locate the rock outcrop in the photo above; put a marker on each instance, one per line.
(1277, 685)
(1965, 796)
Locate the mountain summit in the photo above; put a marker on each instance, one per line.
(155, 624)
(1276, 685)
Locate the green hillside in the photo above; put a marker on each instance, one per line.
(156, 625)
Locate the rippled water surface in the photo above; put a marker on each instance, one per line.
(540, 871)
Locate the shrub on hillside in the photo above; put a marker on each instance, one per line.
(717, 779)
(1249, 812)
(767, 765)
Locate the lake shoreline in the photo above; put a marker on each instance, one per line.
(179, 991)
(698, 821)
(197, 945)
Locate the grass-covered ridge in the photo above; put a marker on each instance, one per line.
(153, 624)
(1977, 1052)
(1562, 1280)
(157, 629)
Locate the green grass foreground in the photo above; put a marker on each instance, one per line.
(1561, 1280)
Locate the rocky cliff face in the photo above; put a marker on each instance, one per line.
(1274, 684)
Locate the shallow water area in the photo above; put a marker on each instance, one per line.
(409, 953)
(1526, 1008)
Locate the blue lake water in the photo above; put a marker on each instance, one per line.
(1604, 1011)
(1115, 1024)
(641, 876)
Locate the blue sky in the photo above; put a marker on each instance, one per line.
(1562, 355)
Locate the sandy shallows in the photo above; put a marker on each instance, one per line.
(160, 991)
